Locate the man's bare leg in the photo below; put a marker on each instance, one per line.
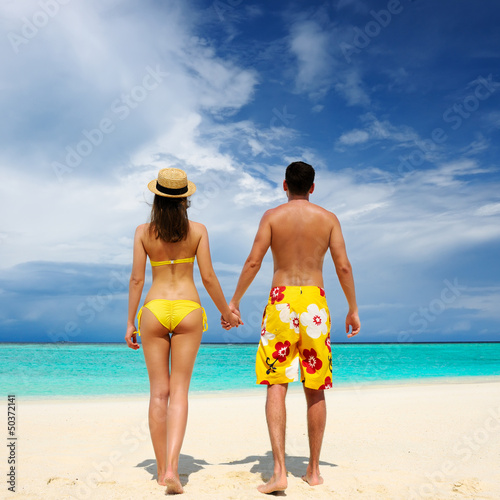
(276, 423)
(316, 421)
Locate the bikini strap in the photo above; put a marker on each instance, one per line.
(139, 315)
(156, 263)
(205, 322)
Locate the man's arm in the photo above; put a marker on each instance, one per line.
(344, 273)
(252, 265)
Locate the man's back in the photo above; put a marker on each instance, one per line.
(295, 328)
(300, 236)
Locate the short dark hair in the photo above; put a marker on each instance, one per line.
(299, 177)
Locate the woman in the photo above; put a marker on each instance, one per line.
(171, 320)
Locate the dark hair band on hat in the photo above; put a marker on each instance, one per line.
(165, 190)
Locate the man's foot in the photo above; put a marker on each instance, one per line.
(274, 484)
(173, 484)
(312, 479)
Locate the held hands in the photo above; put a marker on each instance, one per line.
(131, 338)
(352, 320)
(234, 319)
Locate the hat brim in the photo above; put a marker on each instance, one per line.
(190, 191)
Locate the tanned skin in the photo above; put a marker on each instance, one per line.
(299, 233)
(170, 355)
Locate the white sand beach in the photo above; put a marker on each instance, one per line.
(439, 441)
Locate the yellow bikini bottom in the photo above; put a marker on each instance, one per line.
(171, 312)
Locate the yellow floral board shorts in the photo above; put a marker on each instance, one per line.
(295, 332)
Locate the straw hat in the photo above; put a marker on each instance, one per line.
(172, 183)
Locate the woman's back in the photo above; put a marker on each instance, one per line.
(171, 279)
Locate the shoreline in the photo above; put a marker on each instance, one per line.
(295, 387)
(256, 343)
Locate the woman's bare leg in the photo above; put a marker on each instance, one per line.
(156, 345)
(185, 343)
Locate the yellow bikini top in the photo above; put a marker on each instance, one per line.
(156, 263)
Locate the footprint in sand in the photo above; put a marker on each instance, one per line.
(58, 481)
(467, 486)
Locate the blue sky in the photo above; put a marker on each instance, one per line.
(395, 103)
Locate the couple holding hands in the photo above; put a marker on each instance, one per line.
(295, 325)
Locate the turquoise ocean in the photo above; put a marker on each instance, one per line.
(80, 370)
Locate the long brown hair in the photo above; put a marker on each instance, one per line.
(169, 218)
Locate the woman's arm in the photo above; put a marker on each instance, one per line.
(210, 281)
(136, 285)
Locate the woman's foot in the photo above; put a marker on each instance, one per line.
(173, 484)
(160, 479)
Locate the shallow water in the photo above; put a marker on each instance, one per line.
(41, 370)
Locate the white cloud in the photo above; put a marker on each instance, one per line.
(411, 218)
(309, 43)
(385, 130)
(401, 136)
(321, 65)
(254, 191)
(351, 88)
(91, 61)
(488, 209)
(479, 145)
(89, 57)
(355, 136)
(221, 85)
(182, 146)
(450, 174)
(481, 302)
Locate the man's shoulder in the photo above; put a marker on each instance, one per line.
(321, 209)
(274, 210)
(310, 207)
(275, 213)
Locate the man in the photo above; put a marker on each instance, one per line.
(296, 322)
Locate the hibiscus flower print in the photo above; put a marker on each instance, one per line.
(311, 362)
(265, 336)
(294, 322)
(282, 351)
(284, 310)
(292, 372)
(315, 321)
(321, 291)
(288, 317)
(328, 384)
(328, 344)
(277, 294)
